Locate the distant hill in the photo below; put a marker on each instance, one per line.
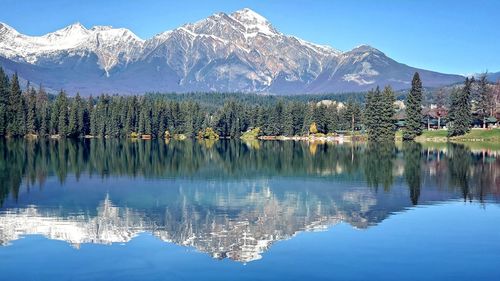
(493, 77)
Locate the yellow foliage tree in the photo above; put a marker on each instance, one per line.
(313, 129)
(210, 134)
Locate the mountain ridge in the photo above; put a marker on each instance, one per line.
(237, 52)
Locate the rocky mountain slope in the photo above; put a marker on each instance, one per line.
(240, 52)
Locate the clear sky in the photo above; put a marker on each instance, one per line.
(450, 36)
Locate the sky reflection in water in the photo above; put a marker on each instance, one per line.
(257, 211)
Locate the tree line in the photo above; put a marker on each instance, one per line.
(33, 112)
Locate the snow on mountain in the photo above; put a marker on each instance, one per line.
(241, 51)
(110, 45)
(254, 23)
(15, 45)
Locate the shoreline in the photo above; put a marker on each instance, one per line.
(436, 136)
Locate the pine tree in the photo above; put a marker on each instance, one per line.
(288, 126)
(333, 118)
(413, 126)
(189, 114)
(119, 117)
(320, 117)
(372, 114)
(15, 110)
(387, 126)
(249, 118)
(486, 101)
(93, 117)
(62, 111)
(54, 118)
(261, 117)
(43, 112)
(86, 112)
(351, 115)
(460, 115)
(75, 122)
(31, 124)
(228, 120)
(101, 112)
(299, 110)
(379, 115)
(278, 118)
(176, 117)
(162, 119)
(145, 119)
(113, 117)
(199, 116)
(4, 95)
(155, 118)
(131, 118)
(308, 118)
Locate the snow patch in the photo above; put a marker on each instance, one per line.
(362, 77)
(253, 23)
(317, 48)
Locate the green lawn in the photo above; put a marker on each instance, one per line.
(492, 135)
(435, 134)
(427, 135)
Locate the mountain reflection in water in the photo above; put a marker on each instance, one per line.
(229, 199)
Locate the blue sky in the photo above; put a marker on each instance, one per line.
(448, 36)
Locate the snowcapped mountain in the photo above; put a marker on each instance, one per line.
(111, 46)
(241, 52)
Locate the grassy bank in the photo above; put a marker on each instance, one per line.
(475, 135)
(491, 136)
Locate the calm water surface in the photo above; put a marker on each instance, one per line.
(123, 210)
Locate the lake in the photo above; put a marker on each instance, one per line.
(229, 210)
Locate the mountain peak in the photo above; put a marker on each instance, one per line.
(75, 30)
(248, 15)
(364, 48)
(77, 26)
(254, 22)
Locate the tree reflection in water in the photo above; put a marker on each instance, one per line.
(227, 198)
(453, 166)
